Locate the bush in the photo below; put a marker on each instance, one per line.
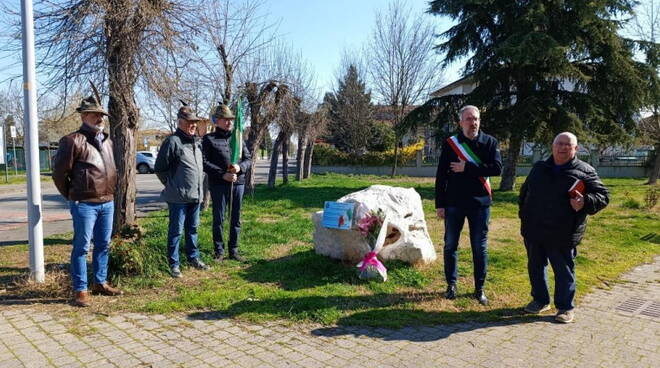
(132, 255)
(326, 155)
(651, 198)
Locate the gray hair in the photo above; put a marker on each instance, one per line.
(466, 107)
(570, 136)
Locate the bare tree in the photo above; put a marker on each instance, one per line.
(317, 126)
(164, 90)
(299, 77)
(115, 43)
(403, 66)
(235, 31)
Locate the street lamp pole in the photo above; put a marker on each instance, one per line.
(35, 230)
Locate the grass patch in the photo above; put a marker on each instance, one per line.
(285, 279)
(21, 178)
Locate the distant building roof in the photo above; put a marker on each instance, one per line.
(385, 113)
(464, 85)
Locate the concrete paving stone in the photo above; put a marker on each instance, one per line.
(311, 363)
(180, 357)
(116, 319)
(108, 365)
(151, 358)
(15, 363)
(248, 361)
(600, 337)
(64, 360)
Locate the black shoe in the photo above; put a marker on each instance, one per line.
(236, 257)
(198, 264)
(451, 292)
(481, 297)
(219, 258)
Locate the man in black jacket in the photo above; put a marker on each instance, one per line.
(462, 190)
(554, 202)
(222, 174)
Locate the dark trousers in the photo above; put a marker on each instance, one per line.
(562, 260)
(220, 197)
(478, 223)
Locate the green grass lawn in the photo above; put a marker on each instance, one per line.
(285, 279)
(21, 177)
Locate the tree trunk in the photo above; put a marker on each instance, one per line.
(123, 117)
(655, 171)
(300, 157)
(285, 159)
(509, 169)
(309, 151)
(272, 172)
(254, 140)
(396, 155)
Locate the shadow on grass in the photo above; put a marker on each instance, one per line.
(358, 321)
(306, 269)
(508, 197)
(300, 270)
(18, 289)
(300, 196)
(47, 241)
(9, 274)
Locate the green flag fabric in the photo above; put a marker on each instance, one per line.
(236, 142)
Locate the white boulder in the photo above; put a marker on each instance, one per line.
(408, 239)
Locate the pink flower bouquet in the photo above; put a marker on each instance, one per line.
(373, 226)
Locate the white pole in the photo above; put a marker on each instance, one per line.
(35, 231)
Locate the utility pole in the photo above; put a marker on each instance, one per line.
(35, 230)
(3, 159)
(12, 132)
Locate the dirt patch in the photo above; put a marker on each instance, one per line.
(282, 250)
(269, 219)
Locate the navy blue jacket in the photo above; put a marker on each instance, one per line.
(545, 210)
(217, 157)
(464, 189)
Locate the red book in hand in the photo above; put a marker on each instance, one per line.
(577, 187)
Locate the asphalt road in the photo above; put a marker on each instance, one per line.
(55, 210)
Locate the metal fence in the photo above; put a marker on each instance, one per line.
(612, 160)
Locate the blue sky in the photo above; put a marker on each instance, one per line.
(321, 30)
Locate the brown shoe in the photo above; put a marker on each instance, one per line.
(82, 299)
(105, 289)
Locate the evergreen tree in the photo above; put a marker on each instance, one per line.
(541, 67)
(646, 39)
(350, 113)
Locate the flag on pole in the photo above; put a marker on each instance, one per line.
(236, 142)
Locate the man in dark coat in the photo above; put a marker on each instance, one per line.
(462, 190)
(226, 181)
(554, 202)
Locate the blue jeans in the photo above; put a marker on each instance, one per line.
(220, 196)
(90, 221)
(562, 260)
(183, 217)
(478, 223)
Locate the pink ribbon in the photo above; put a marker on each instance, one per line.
(371, 259)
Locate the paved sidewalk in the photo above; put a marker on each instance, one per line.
(619, 327)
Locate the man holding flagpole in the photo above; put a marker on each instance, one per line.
(226, 160)
(462, 190)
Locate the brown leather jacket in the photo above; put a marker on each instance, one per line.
(83, 171)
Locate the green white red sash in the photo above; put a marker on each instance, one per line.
(464, 152)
